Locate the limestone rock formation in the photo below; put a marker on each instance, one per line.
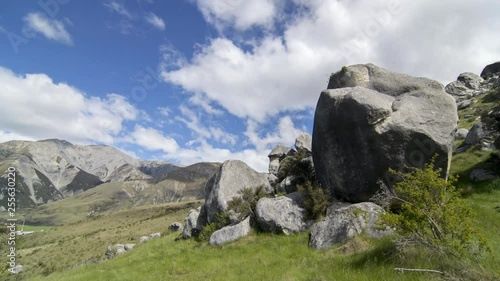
(276, 155)
(371, 119)
(343, 223)
(191, 226)
(303, 143)
(230, 233)
(490, 70)
(284, 214)
(233, 176)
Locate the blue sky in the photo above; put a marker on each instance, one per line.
(200, 80)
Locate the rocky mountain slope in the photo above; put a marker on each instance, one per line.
(50, 170)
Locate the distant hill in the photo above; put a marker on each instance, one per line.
(50, 170)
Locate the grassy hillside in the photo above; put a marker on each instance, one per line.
(85, 242)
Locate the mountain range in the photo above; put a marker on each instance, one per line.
(51, 170)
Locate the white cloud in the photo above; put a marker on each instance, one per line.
(118, 8)
(2, 29)
(201, 131)
(155, 21)
(241, 14)
(164, 111)
(153, 139)
(287, 71)
(35, 107)
(50, 28)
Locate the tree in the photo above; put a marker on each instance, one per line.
(425, 209)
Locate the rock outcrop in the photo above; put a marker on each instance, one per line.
(371, 119)
(233, 176)
(303, 143)
(284, 214)
(191, 226)
(344, 222)
(231, 233)
(176, 226)
(276, 155)
(490, 70)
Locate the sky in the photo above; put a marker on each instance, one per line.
(187, 81)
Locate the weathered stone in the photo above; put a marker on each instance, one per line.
(155, 235)
(470, 80)
(461, 134)
(278, 153)
(478, 175)
(392, 120)
(230, 233)
(288, 185)
(143, 239)
(458, 90)
(284, 214)
(476, 134)
(114, 250)
(490, 70)
(191, 224)
(464, 104)
(128, 246)
(176, 226)
(16, 269)
(303, 143)
(233, 176)
(344, 223)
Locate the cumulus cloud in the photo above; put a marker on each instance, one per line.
(241, 14)
(287, 70)
(51, 29)
(153, 139)
(155, 21)
(35, 107)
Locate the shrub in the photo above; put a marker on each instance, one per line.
(316, 200)
(221, 220)
(298, 166)
(244, 204)
(430, 212)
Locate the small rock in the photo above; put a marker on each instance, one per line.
(143, 239)
(155, 235)
(114, 250)
(476, 133)
(481, 175)
(176, 226)
(464, 104)
(128, 246)
(461, 134)
(16, 269)
(191, 224)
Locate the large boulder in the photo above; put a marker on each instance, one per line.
(303, 143)
(371, 119)
(284, 214)
(490, 70)
(233, 176)
(470, 80)
(230, 233)
(476, 134)
(344, 222)
(459, 91)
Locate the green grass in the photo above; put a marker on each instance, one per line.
(83, 242)
(257, 257)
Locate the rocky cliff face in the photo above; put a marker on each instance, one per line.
(51, 170)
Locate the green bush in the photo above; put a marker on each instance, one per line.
(244, 204)
(297, 166)
(430, 212)
(316, 200)
(221, 220)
